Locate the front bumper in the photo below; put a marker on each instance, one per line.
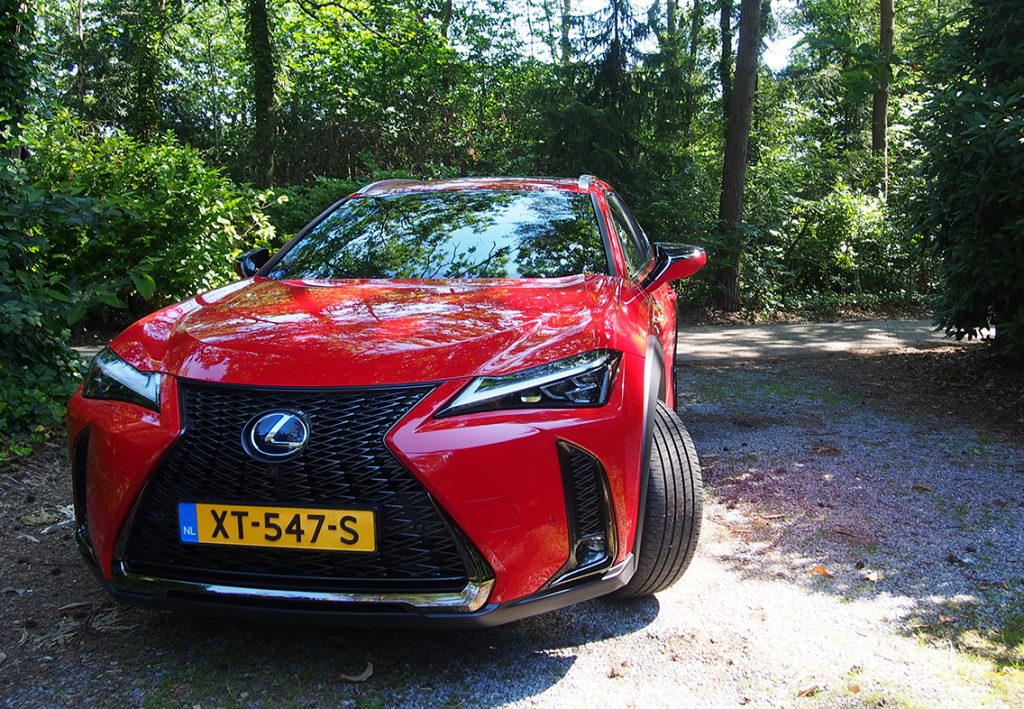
(343, 609)
(496, 474)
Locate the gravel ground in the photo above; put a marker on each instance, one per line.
(852, 555)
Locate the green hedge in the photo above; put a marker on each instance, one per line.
(146, 221)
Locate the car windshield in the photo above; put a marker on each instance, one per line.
(451, 234)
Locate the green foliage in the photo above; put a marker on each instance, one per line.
(294, 207)
(972, 204)
(840, 249)
(151, 221)
(38, 371)
(128, 184)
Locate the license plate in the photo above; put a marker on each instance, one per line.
(280, 527)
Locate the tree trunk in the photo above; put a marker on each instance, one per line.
(144, 30)
(737, 135)
(263, 79)
(16, 69)
(725, 62)
(566, 21)
(690, 91)
(446, 18)
(80, 33)
(880, 100)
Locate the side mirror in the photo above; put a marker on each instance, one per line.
(247, 264)
(674, 261)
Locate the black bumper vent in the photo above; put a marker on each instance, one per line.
(585, 491)
(345, 464)
(588, 511)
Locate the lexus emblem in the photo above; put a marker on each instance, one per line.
(275, 436)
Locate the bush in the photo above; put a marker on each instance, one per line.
(38, 371)
(972, 204)
(151, 222)
(296, 206)
(842, 249)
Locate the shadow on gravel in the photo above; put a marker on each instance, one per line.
(813, 484)
(188, 659)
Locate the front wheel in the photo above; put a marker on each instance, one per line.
(672, 512)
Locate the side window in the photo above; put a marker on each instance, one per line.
(635, 247)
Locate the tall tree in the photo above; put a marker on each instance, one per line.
(564, 43)
(263, 80)
(144, 25)
(690, 91)
(15, 65)
(725, 61)
(880, 99)
(737, 139)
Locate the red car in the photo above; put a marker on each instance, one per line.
(442, 402)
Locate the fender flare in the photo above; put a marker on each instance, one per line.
(654, 392)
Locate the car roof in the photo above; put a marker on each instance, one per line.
(581, 184)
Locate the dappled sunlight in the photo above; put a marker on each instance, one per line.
(887, 541)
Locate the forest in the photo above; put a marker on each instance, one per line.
(877, 166)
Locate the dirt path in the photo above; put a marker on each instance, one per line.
(853, 553)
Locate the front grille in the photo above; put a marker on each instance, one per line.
(346, 464)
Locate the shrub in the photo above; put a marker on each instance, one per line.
(38, 371)
(842, 249)
(972, 205)
(150, 221)
(301, 203)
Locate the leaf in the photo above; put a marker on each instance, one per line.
(918, 487)
(361, 677)
(808, 690)
(871, 575)
(820, 570)
(76, 312)
(43, 516)
(144, 283)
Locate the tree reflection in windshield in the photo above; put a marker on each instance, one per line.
(451, 234)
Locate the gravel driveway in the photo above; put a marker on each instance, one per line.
(852, 555)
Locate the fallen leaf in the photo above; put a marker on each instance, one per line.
(871, 575)
(820, 570)
(42, 516)
(918, 487)
(361, 677)
(960, 560)
(945, 619)
(855, 688)
(808, 691)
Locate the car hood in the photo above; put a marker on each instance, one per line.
(373, 332)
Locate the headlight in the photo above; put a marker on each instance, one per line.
(578, 381)
(110, 377)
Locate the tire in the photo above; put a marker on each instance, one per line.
(672, 512)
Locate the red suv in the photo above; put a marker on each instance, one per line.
(442, 402)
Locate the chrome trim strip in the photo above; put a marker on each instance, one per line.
(391, 182)
(584, 182)
(471, 598)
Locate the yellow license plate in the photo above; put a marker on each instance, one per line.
(280, 527)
